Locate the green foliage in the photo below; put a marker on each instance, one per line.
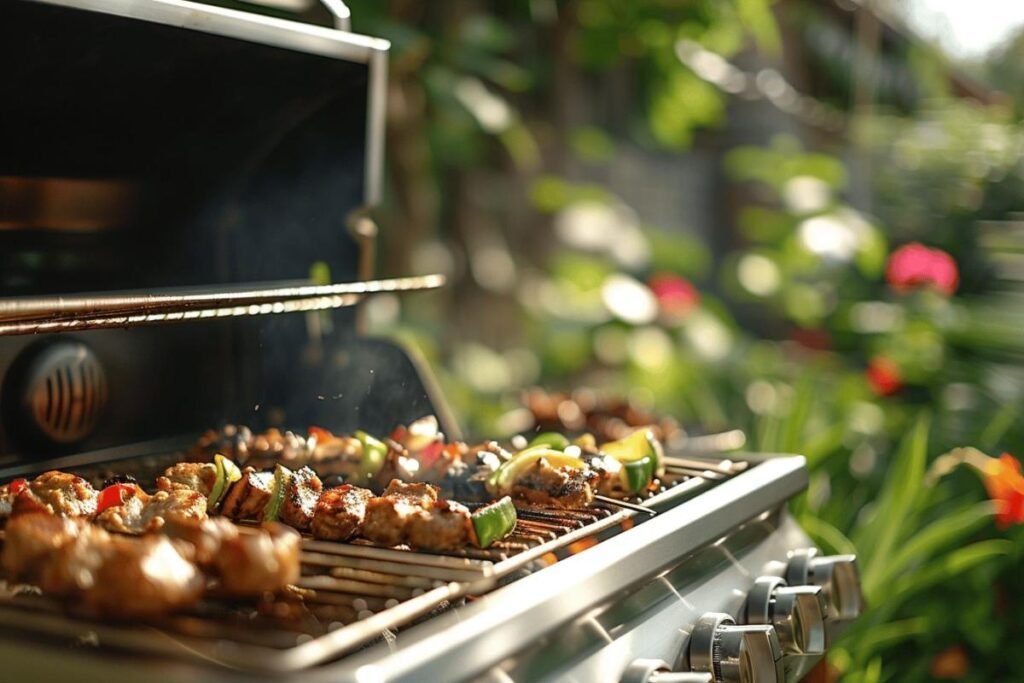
(793, 304)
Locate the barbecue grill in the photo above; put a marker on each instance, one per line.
(186, 235)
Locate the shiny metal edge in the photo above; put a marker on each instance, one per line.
(49, 308)
(376, 124)
(241, 25)
(506, 621)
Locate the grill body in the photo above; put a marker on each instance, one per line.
(201, 154)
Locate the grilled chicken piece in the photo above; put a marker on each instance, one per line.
(339, 514)
(249, 495)
(123, 576)
(443, 525)
(259, 561)
(387, 516)
(31, 538)
(416, 492)
(140, 513)
(563, 486)
(113, 575)
(205, 536)
(195, 476)
(58, 493)
(300, 498)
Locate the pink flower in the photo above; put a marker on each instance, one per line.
(676, 296)
(914, 265)
(884, 376)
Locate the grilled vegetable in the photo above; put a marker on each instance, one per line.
(551, 440)
(505, 477)
(374, 455)
(586, 442)
(114, 495)
(639, 457)
(227, 474)
(282, 479)
(494, 522)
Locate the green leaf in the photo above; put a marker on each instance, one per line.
(885, 635)
(940, 534)
(947, 568)
(828, 535)
(900, 493)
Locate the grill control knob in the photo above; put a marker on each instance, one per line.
(657, 671)
(796, 612)
(838, 577)
(735, 654)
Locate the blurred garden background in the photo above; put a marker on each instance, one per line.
(802, 218)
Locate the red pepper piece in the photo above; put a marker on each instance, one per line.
(17, 486)
(429, 455)
(322, 435)
(114, 495)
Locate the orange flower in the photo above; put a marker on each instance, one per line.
(950, 663)
(1005, 485)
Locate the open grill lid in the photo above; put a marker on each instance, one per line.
(169, 161)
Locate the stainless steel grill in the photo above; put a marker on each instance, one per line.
(352, 594)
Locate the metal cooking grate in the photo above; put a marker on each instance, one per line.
(352, 594)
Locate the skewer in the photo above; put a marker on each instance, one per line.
(625, 504)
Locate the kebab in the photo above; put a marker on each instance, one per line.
(149, 574)
(412, 513)
(418, 453)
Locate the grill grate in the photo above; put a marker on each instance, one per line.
(350, 594)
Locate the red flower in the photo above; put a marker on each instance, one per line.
(676, 296)
(914, 266)
(884, 376)
(1005, 485)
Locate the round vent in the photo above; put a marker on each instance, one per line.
(62, 390)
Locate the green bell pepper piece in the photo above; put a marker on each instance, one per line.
(375, 452)
(494, 522)
(551, 440)
(282, 479)
(227, 474)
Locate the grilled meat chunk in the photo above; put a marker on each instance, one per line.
(339, 514)
(194, 476)
(300, 498)
(417, 493)
(387, 516)
(564, 486)
(249, 495)
(58, 493)
(205, 536)
(125, 577)
(443, 525)
(112, 575)
(259, 561)
(31, 538)
(140, 513)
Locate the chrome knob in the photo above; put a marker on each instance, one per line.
(735, 654)
(796, 612)
(838, 577)
(657, 671)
